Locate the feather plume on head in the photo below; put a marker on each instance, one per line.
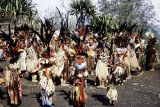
(13, 45)
(47, 30)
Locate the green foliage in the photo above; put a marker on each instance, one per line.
(85, 7)
(15, 8)
(134, 11)
(102, 24)
(82, 9)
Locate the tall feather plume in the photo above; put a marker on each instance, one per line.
(64, 26)
(7, 38)
(12, 45)
(46, 32)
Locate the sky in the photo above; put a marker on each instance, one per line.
(156, 4)
(45, 7)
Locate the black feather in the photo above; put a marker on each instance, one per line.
(75, 38)
(6, 37)
(39, 35)
(122, 27)
(59, 12)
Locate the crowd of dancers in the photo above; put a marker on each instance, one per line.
(70, 59)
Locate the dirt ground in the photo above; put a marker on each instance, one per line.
(140, 91)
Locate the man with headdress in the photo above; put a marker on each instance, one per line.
(13, 84)
(120, 48)
(92, 54)
(80, 65)
(102, 69)
(150, 53)
(59, 63)
(31, 61)
(22, 61)
(46, 84)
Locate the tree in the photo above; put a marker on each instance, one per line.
(102, 24)
(13, 9)
(136, 11)
(82, 9)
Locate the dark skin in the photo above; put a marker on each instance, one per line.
(150, 54)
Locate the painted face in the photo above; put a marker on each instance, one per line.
(90, 41)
